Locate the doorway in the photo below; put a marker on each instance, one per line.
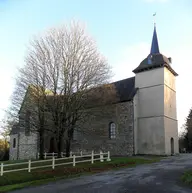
(172, 146)
(52, 145)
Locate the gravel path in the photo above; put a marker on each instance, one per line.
(161, 177)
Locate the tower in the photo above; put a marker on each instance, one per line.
(155, 112)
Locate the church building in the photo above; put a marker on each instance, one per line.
(141, 120)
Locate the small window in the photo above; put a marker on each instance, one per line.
(75, 135)
(112, 130)
(14, 142)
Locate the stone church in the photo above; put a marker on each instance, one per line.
(142, 120)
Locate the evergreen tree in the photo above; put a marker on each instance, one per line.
(188, 134)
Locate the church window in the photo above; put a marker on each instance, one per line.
(14, 142)
(112, 130)
(149, 59)
(75, 135)
(27, 123)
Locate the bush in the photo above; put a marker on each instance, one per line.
(187, 178)
(4, 155)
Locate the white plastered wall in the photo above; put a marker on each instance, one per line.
(155, 112)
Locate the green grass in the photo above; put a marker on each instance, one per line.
(13, 161)
(187, 177)
(24, 163)
(17, 180)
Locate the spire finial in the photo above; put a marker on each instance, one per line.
(154, 18)
(154, 45)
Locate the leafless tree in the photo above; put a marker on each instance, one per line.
(5, 127)
(66, 62)
(28, 99)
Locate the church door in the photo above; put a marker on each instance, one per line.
(172, 146)
(52, 145)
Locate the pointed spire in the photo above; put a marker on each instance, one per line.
(154, 45)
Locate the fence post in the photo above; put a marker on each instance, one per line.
(53, 154)
(73, 160)
(1, 169)
(101, 156)
(45, 155)
(108, 156)
(29, 166)
(53, 163)
(81, 153)
(70, 153)
(61, 154)
(92, 157)
(38, 155)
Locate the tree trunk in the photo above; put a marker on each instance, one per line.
(59, 146)
(42, 142)
(68, 147)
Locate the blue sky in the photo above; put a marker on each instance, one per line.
(123, 31)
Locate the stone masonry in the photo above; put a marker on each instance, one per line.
(94, 134)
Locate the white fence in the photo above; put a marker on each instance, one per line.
(51, 155)
(29, 165)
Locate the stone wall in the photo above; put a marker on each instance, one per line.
(93, 133)
(27, 146)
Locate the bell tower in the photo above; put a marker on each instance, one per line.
(155, 112)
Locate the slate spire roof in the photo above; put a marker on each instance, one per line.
(155, 59)
(154, 45)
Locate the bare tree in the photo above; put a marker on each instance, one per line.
(66, 62)
(5, 127)
(28, 99)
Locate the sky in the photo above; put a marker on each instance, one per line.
(122, 29)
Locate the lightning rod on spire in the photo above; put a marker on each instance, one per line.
(154, 18)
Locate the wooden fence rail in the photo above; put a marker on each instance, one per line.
(30, 164)
(53, 154)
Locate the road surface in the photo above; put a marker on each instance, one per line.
(161, 177)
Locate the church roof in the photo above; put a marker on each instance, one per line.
(125, 89)
(112, 93)
(155, 45)
(155, 59)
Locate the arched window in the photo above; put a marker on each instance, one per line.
(14, 142)
(112, 130)
(75, 135)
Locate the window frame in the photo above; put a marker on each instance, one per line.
(14, 143)
(75, 135)
(112, 130)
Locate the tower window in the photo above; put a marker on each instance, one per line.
(14, 142)
(112, 130)
(149, 59)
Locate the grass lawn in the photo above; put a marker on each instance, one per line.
(187, 178)
(17, 180)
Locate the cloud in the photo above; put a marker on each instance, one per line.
(131, 56)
